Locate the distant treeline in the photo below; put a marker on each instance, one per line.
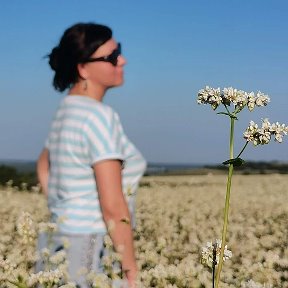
(24, 173)
(8, 173)
(261, 167)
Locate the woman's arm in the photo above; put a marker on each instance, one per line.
(43, 170)
(115, 210)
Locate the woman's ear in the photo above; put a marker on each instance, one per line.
(82, 71)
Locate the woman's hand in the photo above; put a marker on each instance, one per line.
(131, 276)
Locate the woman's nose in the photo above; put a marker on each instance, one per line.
(121, 60)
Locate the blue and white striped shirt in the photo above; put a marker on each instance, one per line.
(85, 131)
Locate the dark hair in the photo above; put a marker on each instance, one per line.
(77, 44)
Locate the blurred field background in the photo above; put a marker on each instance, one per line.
(177, 215)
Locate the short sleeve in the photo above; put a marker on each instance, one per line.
(103, 132)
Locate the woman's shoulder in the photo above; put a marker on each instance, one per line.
(89, 105)
(92, 110)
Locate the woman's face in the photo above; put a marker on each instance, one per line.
(103, 73)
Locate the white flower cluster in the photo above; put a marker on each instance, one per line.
(262, 135)
(252, 284)
(207, 253)
(7, 266)
(98, 280)
(26, 228)
(228, 96)
(48, 227)
(46, 277)
(58, 258)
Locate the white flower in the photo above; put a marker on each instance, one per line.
(46, 277)
(24, 186)
(261, 99)
(48, 227)
(207, 253)
(238, 98)
(279, 130)
(251, 101)
(26, 228)
(58, 257)
(108, 241)
(7, 266)
(252, 284)
(263, 135)
(9, 184)
(45, 252)
(266, 124)
(250, 132)
(210, 96)
(230, 95)
(99, 280)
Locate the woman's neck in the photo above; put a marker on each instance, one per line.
(84, 89)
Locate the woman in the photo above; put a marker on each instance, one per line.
(89, 170)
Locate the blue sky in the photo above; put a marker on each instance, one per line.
(173, 49)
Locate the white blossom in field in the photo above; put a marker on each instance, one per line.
(98, 280)
(252, 284)
(108, 242)
(262, 135)
(26, 228)
(107, 261)
(9, 184)
(48, 227)
(24, 186)
(45, 253)
(45, 277)
(191, 212)
(7, 266)
(58, 257)
(161, 243)
(36, 189)
(207, 253)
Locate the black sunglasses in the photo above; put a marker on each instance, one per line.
(112, 58)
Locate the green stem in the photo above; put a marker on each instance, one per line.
(243, 149)
(227, 201)
(227, 109)
(17, 284)
(214, 262)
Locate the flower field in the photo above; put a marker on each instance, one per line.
(177, 216)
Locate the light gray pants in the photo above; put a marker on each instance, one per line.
(84, 251)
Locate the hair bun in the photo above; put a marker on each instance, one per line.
(54, 58)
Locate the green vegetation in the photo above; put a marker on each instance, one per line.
(260, 167)
(8, 173)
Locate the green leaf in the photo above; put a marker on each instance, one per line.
(228, 114)
(235, 162)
